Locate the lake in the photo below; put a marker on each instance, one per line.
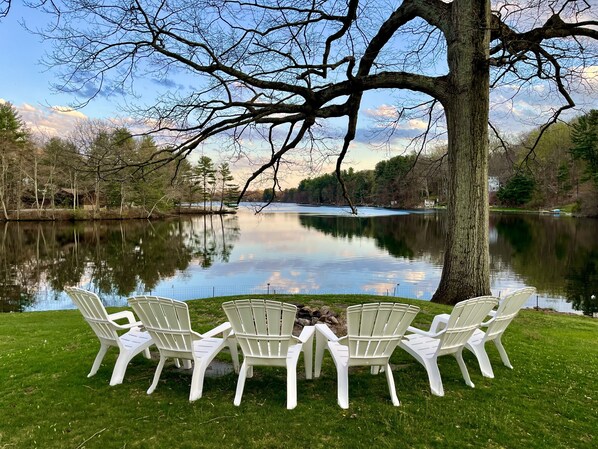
(286, 249)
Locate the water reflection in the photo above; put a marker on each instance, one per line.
(112, 258)
(559, 256)
(286, 252)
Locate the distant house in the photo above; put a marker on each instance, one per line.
(493, 184)
(429, 204)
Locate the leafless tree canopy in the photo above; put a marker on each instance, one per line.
(274, 70)
(4, 8)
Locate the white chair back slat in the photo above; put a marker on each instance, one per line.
(375, 329)
(94, 312)
(508, 309)
(465, 318)
(166, 320)
(263, 328)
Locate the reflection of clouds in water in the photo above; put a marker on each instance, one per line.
(278, 281)
(379, 289)
(415, 276)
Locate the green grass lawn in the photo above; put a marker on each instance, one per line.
(550, 399)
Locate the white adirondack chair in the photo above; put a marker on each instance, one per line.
(373, 332)
(508, 308)
(426, 347)
(107, 330)
(168, 322)
(263, 329)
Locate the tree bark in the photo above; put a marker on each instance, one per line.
(466, 270)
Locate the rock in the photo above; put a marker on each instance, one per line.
(303, 321)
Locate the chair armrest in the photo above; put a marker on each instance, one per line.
(306, 334)
(326, 332)
(489, 322)
(415, 330)
(439, 322)
(125, 314)
(224, 328)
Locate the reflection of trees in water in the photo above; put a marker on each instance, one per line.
(118, 258)
(543, 249)
(22, 264)
(406, 236)
(213, 238)
(582, 282)
(553, 254)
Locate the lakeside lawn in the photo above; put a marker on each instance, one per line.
(550, 399)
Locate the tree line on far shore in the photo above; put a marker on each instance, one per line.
(100, 168)
(562, 170)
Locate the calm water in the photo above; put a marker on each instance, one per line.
(286, 249)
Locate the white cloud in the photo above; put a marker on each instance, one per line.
(383, 111)
(69, 112)
(49, 121)
(417, 124)
(590, 74)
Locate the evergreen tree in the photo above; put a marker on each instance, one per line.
(14, 140)
(229, 191)
(585, 143)
(205, 175)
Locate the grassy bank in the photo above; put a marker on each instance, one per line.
(550, 399)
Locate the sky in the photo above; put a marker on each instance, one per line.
(27, 84)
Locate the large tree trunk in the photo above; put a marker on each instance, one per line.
(466, 270)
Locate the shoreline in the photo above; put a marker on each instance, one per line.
(72, 215)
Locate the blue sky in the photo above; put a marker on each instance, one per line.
(26, 83)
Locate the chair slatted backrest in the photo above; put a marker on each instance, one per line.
(263, 328)
(374, 330)
(166, 320)
(508, 309)
(465, 318)
(91, 307)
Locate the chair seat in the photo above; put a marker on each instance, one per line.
(477, 337)
(207, 346)
(425, 346)
(339, 352)
(135, 339)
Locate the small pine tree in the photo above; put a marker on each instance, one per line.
(517, 191)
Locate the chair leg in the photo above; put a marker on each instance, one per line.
(503, 354)
(241, 382)
(157, 375)
(98, 360)
(374, 370)
(146, 353)
(120, 367)
(199, 371)
(459, 356)
(321, 345)
(291, 384)
(234, 353)
(342, 374)
(480, 352)
(391, 386)
(431, 366)
(308, 357)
